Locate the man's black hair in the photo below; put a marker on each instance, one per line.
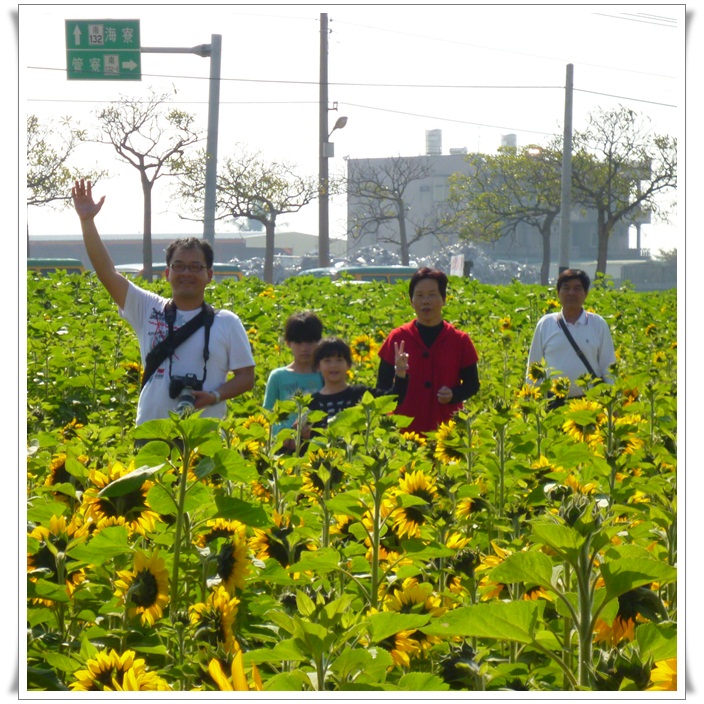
(303, 327)
(570, 274)
(190, 243)
(332, 347)
(428, 273)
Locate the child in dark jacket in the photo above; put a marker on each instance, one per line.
(333, 359)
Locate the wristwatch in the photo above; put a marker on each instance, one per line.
(217, 396)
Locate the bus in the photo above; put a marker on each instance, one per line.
(221, 270)
(49, 266)
(388, 274)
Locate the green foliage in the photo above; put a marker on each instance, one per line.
(515, 548)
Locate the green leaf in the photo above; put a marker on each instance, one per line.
(305, 604)
(386, 623)
(422, 682)
(103, 546)
(50, 590)
(319, 561)
(236, 509)
(130, 482)
(657, 640)
(512, 620)
(620, 576)
(282, 651)
(62, 662)
(161, 501)
(563, 539)
(530, 567)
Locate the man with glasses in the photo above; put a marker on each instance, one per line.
(207, 356)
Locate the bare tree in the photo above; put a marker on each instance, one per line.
(248, 187)
(504, 190)
(379, 204)
(619, 169)
(148, 136)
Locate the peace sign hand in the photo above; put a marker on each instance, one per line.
(400, 359)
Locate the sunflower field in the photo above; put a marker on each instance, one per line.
(515, 549)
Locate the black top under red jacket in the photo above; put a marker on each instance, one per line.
(429, 369)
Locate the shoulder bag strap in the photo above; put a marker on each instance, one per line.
(561, 322)
(167, 346)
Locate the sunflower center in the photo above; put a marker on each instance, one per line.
(144, 589)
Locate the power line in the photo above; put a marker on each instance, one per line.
(423, 86)
(443, 119)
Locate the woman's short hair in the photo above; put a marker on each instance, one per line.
(427, 272)
(303, 327)
(332, 347)
(570, 274)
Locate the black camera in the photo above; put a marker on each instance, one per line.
(183, 388)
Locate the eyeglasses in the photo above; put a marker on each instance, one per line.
(192, 268)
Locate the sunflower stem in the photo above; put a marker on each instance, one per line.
(183, 483)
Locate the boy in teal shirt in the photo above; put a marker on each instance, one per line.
(302, 333)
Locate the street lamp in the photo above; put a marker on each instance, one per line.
(327, 150)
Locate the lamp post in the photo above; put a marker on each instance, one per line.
(327, 150)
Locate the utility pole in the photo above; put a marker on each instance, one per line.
(566, 184)
(323, 176)
(214, 51)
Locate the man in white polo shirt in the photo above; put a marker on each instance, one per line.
(590, 334)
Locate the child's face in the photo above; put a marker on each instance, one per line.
(302, 352)
(334, 369)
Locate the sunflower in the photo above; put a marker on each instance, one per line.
(59, 475)
(664, 676)
(215, 618)
(659, 357)
(233, 563)
(133, 372)
(536, 372)
(409, 520)
(274, 543)
(463, 508)
(650, 328)
(363, 349)
(257, 419)
(448, 443)
(111, 672)
(627, 429)
(551, 304)
(505, 323)
(414, 440)
(560, 386)
(415, 598)
(69, 430)
(402, 647)
(59, 534)
(131, 509)
(145, 588)
(528, 393)
(584, 421)
(218, 528)
(238, 678)
(320, 470)
(488, 588)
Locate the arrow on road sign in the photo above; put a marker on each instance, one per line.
(129, 65)
(77, 35)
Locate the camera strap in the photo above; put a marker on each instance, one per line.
(168, 345)
(561, 322)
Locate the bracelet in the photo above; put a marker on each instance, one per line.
(217, 396)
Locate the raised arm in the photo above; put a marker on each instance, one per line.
(86, 208)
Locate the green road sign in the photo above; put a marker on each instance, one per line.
(103, 50)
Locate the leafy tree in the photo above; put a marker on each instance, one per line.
(506, 189)
(248, 187)
(666, 256)
(378, 192)
(619, 168)
(49, 150)
(148, 136)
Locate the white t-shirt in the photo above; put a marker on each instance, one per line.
(592, 335)
(228, 348)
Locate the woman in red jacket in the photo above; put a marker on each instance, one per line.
(443, 373)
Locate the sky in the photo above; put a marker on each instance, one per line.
(476, 72)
